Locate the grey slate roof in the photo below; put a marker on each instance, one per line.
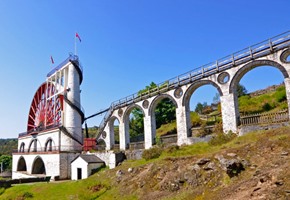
(89, 158)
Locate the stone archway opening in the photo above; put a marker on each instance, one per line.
(114, 127)
(205, 109)
(38, 167)
(136, 128)
(260, 92)
(21, 165)
(163, 112)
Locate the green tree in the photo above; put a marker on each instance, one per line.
(241, 90)
(198, 108)
(6, 162)
(147, 88)
(7, 146)
(152, 87)
(164, 112)
(136, 123)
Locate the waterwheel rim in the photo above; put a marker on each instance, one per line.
(45, 109)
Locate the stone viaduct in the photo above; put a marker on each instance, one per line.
(224, 75)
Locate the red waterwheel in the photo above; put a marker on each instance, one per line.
(45, 109)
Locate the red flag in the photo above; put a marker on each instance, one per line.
(77, 35)
(52, 61)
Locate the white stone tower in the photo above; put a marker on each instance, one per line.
(72, 115)
(54, 131)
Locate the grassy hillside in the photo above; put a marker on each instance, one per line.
(271, 101)
(179, 173)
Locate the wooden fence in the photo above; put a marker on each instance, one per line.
(265, 118)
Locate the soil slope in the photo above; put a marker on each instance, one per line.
(258, 169)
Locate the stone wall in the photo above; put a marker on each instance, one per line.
(246, 129)
(134, 154)
(110, 158)
(65, 164)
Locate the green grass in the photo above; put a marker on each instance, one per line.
(166, 128)
(272, 101)
(2, 190)
(190, 150)
(171, 127)
(280, 137)
(67, 190)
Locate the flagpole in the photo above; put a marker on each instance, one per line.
(75, 44)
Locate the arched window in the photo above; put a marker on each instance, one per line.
(48, 145)
(33, 146)
(38, 166)
(22, 146)
(21, 166)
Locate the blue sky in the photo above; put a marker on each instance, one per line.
(125, 45)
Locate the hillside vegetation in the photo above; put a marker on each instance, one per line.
(200, 171)
(7, 146)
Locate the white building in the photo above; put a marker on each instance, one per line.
(54, 129)
(85, 165)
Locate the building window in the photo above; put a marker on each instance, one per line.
(48, 145)
(33, 146)
(21, 150)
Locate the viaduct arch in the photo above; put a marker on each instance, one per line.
(252, 65)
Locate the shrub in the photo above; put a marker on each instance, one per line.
(218, 128)
(172, 149)
(152, 153)
(195, 119)
(266, 107)
(280, 96)
(158, 140)
(202, 131)
(25, 195)
(222, 138)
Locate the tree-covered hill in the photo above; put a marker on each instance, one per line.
(7, 146)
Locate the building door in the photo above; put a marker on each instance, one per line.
(79, 173)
